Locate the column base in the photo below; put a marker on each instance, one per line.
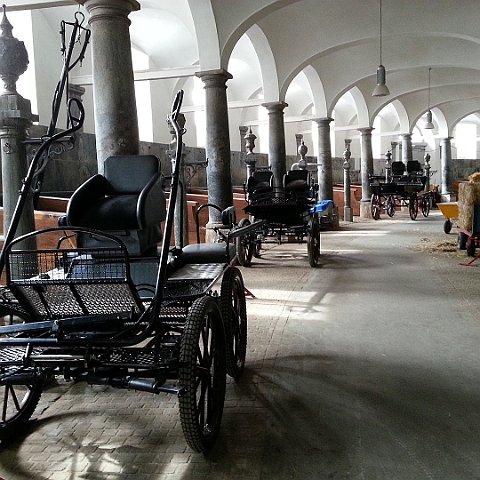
(448, 197)
(365, 209)
(347, 214)
(211, 236)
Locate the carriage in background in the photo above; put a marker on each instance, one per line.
(404, 186)
(289, 213)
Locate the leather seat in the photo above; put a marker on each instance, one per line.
(128, 200)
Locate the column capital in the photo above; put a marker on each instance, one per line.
(405, 135)
(275, 106)
(366, 130)
(446, 139)
(214, 78)
(322, 120)
(109, 8)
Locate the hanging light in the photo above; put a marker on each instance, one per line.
(381, 88)
(429, 123)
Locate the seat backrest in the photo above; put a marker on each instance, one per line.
(130, 173)
(298, 180)
(398, 168)
(413, 166)
(260, 179)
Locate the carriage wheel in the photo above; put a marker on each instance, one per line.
(390, 206)
(202, 372)
(313, 242)
(256, 249)
(245, 246)
(234, 313)
(20, 388)
(447, 226)
(470, 247)
(462, 241)
(375, 206)
(425, 205)
(413, 206)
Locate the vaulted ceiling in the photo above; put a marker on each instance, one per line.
(324, 48)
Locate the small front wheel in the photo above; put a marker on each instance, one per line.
(462, 240)
(447, 226)
(375, 206)
(202, 373)
(413, 206)
(426, 205)
(470, 246)
(313, 242)
(245, 245)
(390, 206)
(20, 387)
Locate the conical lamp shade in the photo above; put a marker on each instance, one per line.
(381, 88)
(429, 123)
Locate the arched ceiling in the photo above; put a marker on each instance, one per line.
(332, 43)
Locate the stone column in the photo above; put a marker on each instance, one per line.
(277, 157)
(116, 124)
(219, 180)
(407, 151)
(347, 208)
(15, 117)
(366, 169)
(324, 159)
(446, 168)
(394, 150)
(298, 140)
(243, 131)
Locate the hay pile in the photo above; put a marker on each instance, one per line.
(468, 196)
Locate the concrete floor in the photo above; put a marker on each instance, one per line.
(365, 368)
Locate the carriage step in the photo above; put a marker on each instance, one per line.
(153, 386)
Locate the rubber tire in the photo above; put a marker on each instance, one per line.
(390, 206)
(413, 206)
(470, 247)
(233, 307)
(375, 206)
(18, 404)
(202, 372)
(313, 243)
(245, 246)
(447, 226)
(257, 248)
(425, 206)
(18, 400)
(462, 241)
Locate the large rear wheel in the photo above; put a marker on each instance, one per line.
(202, 373)
(234, 313)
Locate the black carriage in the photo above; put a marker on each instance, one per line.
(289, 213)
(403, 186)
(101, 305)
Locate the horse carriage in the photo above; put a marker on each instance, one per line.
(105, 306)
(402, 187)
(289, 213)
